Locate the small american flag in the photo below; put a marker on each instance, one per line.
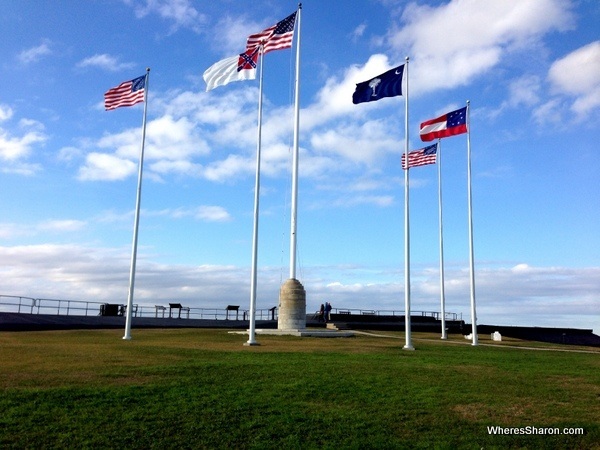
(127, 93)
(422, 157)
(277, 37)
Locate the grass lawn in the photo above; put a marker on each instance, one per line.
(200, 388)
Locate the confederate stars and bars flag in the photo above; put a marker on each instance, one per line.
(450, 124)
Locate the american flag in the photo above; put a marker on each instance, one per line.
(277, 37)
(420, 157)
(127, 93)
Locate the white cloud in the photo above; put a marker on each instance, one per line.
(164, 167)
(549, 112)
(101, 274)
(104, 61)
(173, 139)
(334, 99)
(359, 31)
(518, 295)
(102, 166)
(34, 54)
(524, 91)
(191, 126)
(362, 143)
(230, 34)
(6, 112)
(355, 200)
(69, 153)
(212, 214)
(62, 225)
(578, 75)
(169, 146)
(12, 230)
(228, 168)
(14, 150)
(204, 213)
(180, 12)
(458, 41)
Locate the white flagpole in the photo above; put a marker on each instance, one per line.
(442, 290)
(294, 206)
(471, 253)
(408, 345)
(136, 221)
(252, 331)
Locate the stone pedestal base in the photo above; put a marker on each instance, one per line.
(292, 306)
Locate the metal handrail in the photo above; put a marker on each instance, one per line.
(356, 311)
(30, 305)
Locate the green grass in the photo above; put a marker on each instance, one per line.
(204, 389)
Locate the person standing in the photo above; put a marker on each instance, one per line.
(327, 311)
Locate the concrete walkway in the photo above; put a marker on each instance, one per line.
(521, 347)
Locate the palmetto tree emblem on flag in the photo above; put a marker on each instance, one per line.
(373, 85)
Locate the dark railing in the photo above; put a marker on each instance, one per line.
(371, 312)
(29, 305)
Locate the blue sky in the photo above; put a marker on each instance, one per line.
(68, 169)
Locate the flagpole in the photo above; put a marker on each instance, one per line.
(471, 252)
(408, 345)
(294, 206)
(442, 290)
(252, 330)
(136, 220)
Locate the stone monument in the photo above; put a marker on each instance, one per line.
(292, 306)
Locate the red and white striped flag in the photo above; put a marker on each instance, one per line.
(127, 93)
(277, 37)
(421, 157)
(450, 124)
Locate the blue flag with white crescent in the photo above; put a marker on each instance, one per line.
(388, 84)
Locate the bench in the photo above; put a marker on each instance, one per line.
(160, 308)
(231, 308)
(368, 313)
(178, 306)
(344, 312)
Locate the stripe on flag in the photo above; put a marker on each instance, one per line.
(277, 37)
(421, 157)
(450, 124)
(127, 93)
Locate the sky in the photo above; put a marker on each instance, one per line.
(68, 168)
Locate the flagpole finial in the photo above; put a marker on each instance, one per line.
(406, 58)
(147, 69)
(468, 102)
(299, 5)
